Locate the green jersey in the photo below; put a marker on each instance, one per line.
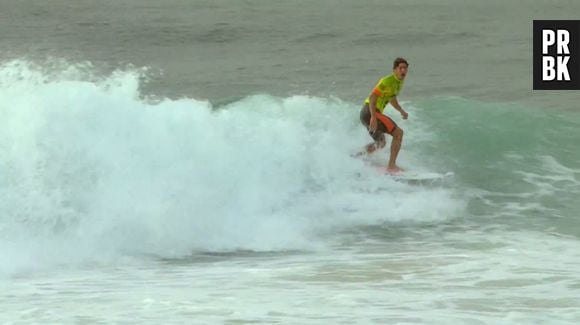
(387, 88)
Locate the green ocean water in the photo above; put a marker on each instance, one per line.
(522, 162)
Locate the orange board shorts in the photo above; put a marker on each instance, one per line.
(384, 123)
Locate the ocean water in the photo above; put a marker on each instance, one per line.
(192, 163)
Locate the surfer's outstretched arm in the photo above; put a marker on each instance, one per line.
(395, 103)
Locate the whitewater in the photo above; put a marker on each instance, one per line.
(92, 164)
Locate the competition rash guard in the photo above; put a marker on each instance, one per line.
(387, 88)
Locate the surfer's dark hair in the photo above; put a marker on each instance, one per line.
(399, 61)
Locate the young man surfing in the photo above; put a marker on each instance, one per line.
(372, 117)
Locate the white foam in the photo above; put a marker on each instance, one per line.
(90, 171)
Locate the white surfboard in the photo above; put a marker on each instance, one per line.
(414, 177)
(422, 178)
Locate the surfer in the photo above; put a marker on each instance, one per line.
(377, 123)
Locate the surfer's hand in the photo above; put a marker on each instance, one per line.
(373, 124)
(405, 115)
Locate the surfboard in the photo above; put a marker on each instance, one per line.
(421, 178)
(413, 177)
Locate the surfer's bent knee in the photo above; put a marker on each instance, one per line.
(398, 133)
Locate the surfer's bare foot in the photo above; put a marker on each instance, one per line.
(394, 169)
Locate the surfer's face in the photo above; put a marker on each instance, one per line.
(401, 71)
